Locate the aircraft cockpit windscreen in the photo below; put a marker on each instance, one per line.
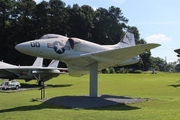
(49, 36)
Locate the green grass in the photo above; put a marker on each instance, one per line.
(162, 89)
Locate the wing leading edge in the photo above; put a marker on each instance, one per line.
(79, 65)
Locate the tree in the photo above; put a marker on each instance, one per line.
(6, 7)
(81, 21)
(41, 19)
(109, 25)
(25, 12)
(161, 63)
(6, 10)
(177, 67)
(170, 67)
(58, 16)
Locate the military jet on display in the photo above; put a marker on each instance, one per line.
(36, 71)
(83, 57)
(178, 52)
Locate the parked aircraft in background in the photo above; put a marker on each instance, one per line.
(178, 52)
(82, 56)
(36, 71)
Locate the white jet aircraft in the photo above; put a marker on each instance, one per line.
(36, 71)
(82, 56)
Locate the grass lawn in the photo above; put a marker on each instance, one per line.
(162, 89)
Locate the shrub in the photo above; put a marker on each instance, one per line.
(121, 70)
(111, 70)
(138, 71)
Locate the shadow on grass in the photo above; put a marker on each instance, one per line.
(104, 102)
(54, 86)
(26, 85)
(175, 86)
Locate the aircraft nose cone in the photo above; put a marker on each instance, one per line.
(27, 48)
(20, 47)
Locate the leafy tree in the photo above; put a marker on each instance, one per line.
(6, 9)
(177, 67)
(57, 16)
(170, 67)
(25, 10)
(81, 21)
(109, 25)
(159, 62)
(41, 19)
(147, 62)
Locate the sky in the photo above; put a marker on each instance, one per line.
(158, 21)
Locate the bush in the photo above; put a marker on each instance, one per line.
(121, 70)
(138, 71)
(111, 70)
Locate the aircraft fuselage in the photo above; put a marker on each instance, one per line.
(63, 48)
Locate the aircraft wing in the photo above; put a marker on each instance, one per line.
(6, 74)
(28, 73)
(77, 65)
(16, 72)
(25, 70)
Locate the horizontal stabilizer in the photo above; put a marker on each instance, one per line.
(38, 62)
(54, 63)
(177, 51)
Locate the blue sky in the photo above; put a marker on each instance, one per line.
(158, 21)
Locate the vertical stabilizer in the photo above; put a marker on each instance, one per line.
(54, 63)
(127, 41)
(38, 62)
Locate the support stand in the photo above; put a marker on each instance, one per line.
(42, 88)
(93, 79)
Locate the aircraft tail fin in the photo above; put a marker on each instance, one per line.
(53, 63)
(127, 41)
(38, 62)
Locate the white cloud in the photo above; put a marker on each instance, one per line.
(119, 1)
(157, 38)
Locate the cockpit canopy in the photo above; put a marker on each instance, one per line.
(49, 36)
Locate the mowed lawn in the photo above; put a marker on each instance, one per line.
(161, 89)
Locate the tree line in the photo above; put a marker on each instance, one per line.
(23, 20)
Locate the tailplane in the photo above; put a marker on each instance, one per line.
(38, 62)
(54, 63)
